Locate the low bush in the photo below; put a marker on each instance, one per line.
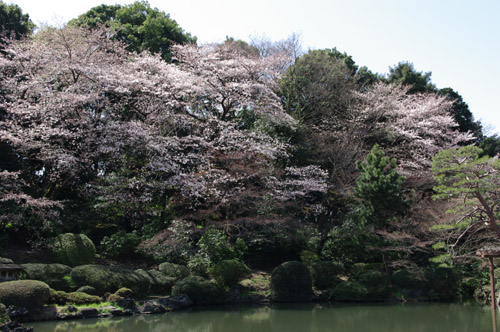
(87, 289)
(200, 290)
(119, 244)
(408, 278)
(31, 294)
(159, 283)
(4, 317)
(229, 272)
(442, 283)
(54, 275)
(325, 274)
(109, 278)
(72, 249)
(78, 298)
(291, 282)
(349, 291)
(172, 270)
(376, 284)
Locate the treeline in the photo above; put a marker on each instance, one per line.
(119, 126)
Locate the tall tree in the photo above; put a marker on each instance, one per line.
(13, 23)
(404, 73)
(461, 113)
(462, 173)
(139, 26)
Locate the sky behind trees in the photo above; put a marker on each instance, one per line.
(458, 40)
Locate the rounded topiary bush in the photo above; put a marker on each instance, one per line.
(291, 282)
(61, 298)
(57, 276)
(159, 283)
(72, 249)
(172, 270)
(349, 291)
(325, 274)
(109, 278)
(229, 272)
(200, 290)
(31, 294)
(88, 290)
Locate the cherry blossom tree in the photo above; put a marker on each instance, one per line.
(91, 129)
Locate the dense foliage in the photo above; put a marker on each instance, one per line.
(213, 159)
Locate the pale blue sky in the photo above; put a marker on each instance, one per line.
(458, 40)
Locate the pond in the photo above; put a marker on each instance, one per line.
(296, 318)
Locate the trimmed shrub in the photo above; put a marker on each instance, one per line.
(31, 294)
(159, 283)
(54, 275)
(324, 274)
(349, 291)
(442, 283)
(172, 270)
(87, 289)
(376, 284)
(73, 249)
(291, 282)
(4, 260)
(229, 272)
(408, 279)
(61, 298)
(359, 268)
(200, 290)
(119, 244)
(109, 278)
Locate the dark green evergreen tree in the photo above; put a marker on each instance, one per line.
(13, 23)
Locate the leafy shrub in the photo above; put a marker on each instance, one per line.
(408, 278)
(73, 249)
(159, 283)
(124, 292)
(87, 289)
(172, 270)
(324, 274)
(61, 298)
(109, 279)
(360, 268)
(52, 274)
(349, 291)
(199, 265)
(346, 244)
(442, 283)
(119, 244)
(308, 257)
(31, 294)
(215, 245)
(291, 282)
(200, 290)
(229, 272)
(376, 284)
(4, 317)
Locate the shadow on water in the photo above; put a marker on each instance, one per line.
(297, 318)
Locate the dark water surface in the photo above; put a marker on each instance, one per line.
(297, 318)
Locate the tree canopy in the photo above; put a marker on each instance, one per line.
(139, 26)
(13, 23)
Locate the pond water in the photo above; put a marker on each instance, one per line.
(296, 318)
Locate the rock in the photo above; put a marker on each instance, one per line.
(116, 312)
(176, 302)
(14, 327)
(152, 307)
(89, 312)
(128, 304)
(17, 313)
(71, 308)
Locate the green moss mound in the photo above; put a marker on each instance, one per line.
(159, 283)
(31, 294)
(291, 282)
(109, 278)
(73, 249)
(54, 275)
(172, 270)
(200, 290)
(325, 274)
(229, 272)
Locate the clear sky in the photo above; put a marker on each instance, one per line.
(457, 40)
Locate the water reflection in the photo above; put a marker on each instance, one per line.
(297, 318)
